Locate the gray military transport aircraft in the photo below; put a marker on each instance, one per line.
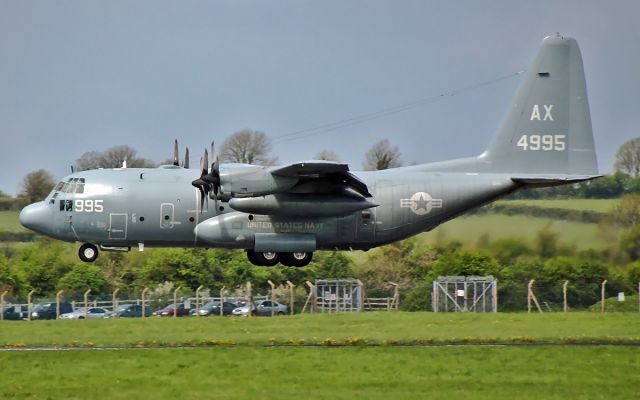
(285, 213)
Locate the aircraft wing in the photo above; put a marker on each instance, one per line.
(317, 173)
(316, 168)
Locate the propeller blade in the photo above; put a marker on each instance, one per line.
(215, 161)
(176, 159)
(185, 163)
(205, 165)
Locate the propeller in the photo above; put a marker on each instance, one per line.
(199, 183)
(209, 181)
(213, 177)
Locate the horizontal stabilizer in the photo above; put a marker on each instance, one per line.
(552, 179)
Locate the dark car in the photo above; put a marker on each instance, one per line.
(48, 310)
(167, 311)
(212, 308)
(131, 311)
(15, 313)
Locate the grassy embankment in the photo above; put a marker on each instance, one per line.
(254, 369)
(468, 229)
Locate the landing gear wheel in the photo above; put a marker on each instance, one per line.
(266, 259)
(88, 252)
(296, 259)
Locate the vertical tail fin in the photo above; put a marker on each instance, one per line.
(548, 128)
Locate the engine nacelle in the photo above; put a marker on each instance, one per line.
(232, 230)
(250, 180)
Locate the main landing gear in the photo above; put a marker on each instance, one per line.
(88, 252)
(269, 259)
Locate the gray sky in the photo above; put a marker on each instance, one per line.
(87, 75)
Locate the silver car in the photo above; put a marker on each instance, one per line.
(263, 308)
(92, 312)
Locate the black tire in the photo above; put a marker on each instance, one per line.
(280, 313)
(267, 259)
(298, 259)
(88, 252)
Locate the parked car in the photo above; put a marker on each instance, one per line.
(167, 311)
(92, 312)
(262, 308)
(212, 308)
(15, 313)
(131, 311)
(48, 310)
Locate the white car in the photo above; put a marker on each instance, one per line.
(262, 308)
(92, 312)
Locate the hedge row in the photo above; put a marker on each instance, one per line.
(542, 212)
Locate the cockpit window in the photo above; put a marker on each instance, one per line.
(73, 185)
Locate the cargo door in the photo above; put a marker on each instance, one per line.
(117, 226)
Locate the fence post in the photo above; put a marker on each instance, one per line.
(114, 302)
(144, 291)
(396, 296)
(310, 299)
(86, 303)
(250, 299)
(291, 286)
(222, 301)
(564, 294)
(2, 304)
(273, 296)
(175, 302)
(29, 306)
(198, 300)
(58, 295)
(604, 283)
(531, 296)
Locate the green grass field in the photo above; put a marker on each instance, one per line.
(254, 367)
(468, 229)
(325, 373)
(352, 329)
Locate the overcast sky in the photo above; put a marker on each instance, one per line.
(88, 75)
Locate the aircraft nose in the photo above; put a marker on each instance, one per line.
(37, 217)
